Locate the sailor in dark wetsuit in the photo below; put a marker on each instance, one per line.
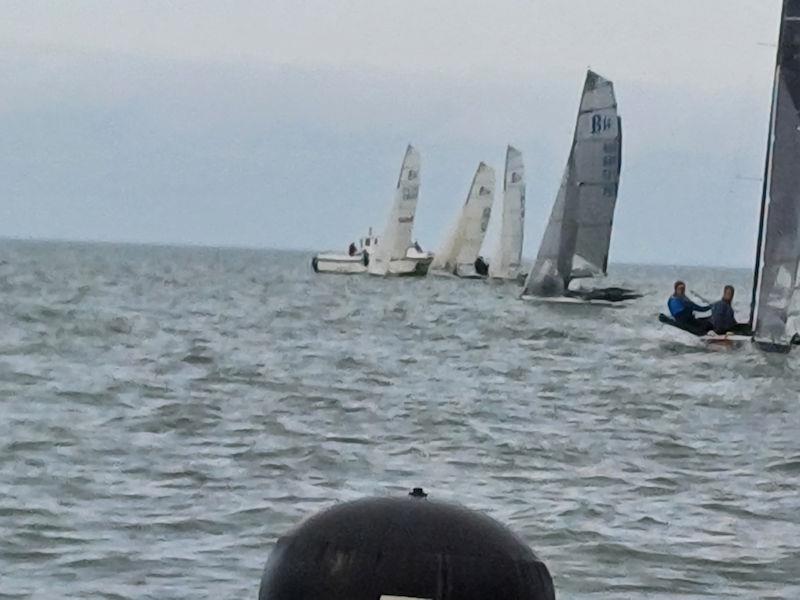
(682, 310)
(722, 317)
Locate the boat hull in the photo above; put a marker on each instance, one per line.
(468, 271)
(711, 339)
(403, 267)
(461, 271)
(341, 264)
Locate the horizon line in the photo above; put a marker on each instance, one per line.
(233, 246)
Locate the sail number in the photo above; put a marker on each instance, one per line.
(601, 123)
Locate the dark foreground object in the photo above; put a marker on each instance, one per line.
(408, 547)
(740, 329)
(698, 331)
(612, 294)
(481, 267)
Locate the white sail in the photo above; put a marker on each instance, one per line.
(577, 238)
(506, 260)
(463, 244)
(779, 235)
(444, 259)
(396, 238)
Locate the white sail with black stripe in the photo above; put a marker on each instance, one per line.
(778, 254)
(506, 260)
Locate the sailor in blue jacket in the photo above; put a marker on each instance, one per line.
(682, 309)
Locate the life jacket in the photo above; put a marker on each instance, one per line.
(677, 306)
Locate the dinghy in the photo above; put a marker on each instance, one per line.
(576, 242)
(775, 295)
(395, 254)
(459, 256)
(506, 260)
(710, 338)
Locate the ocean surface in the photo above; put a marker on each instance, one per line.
(167, 413)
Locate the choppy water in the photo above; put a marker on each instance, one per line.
(167, 413)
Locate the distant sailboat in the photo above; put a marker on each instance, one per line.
(506, 260)
(396, 256)
(459, 255)
(392, 253)
(775, 281)
(577, 238)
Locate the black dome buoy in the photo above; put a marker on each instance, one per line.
(402, 547)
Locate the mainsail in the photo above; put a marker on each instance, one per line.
(778, 254)
(506, 261)
(577, 238)
(396, 238)
(463, 243)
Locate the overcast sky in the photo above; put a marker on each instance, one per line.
(283, 124)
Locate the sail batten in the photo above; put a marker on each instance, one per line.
(778, 254)
(578, 236)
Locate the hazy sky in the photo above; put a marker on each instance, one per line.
(282, 124)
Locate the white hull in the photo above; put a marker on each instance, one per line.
(402, 267)
(342, 264)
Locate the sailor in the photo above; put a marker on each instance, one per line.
(417, 247)
(481, 266)
(352, 250)
(722, 317)
(682, 309)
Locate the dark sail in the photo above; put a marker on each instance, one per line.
(576, 241)
(779, 251)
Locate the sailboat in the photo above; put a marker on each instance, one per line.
(775, 278)
(576, 242)
(395, 254)
(778, 255)
(392, 253)
(505, 263)
(459, 256)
